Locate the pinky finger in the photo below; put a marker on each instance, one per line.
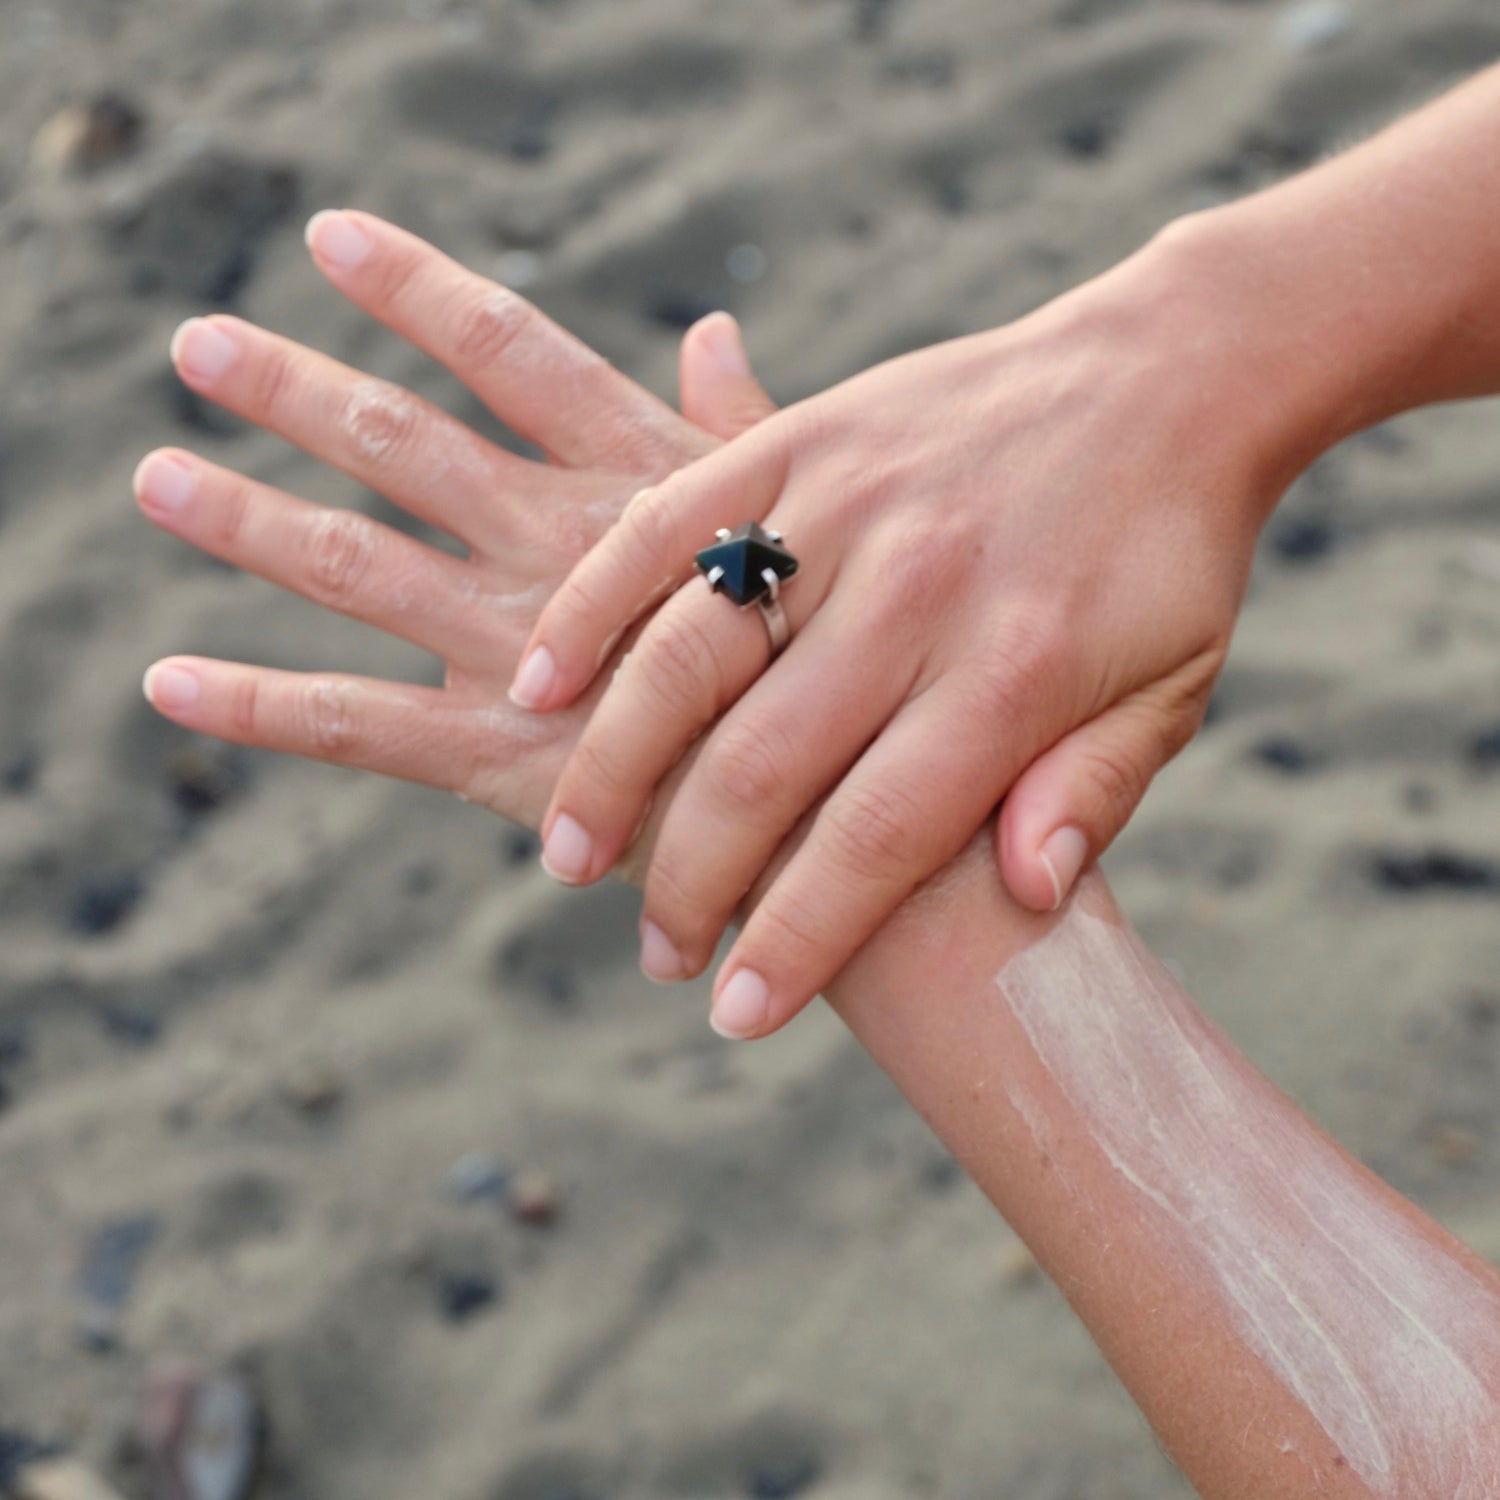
(392, 728)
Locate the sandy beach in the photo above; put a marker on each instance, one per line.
(320, 1079)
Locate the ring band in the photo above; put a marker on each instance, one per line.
(749, 566)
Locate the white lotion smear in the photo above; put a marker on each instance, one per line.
(1392, 1347)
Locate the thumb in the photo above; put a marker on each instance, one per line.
(719, 394)
(1067, 807)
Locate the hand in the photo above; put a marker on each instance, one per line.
(524, 523)
(1022, 554)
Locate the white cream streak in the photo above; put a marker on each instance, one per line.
(1391, 1346)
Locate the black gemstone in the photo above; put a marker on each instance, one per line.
(744, 556)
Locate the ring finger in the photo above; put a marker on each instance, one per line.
(338, 558)
(692, 659)
(777, 751)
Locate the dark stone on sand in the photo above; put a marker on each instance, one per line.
(1287, 756)
(199, 233)
(1485, 750)
(19, 773)
(672, 307)
(940, 1173)
(1089, 137)
(131, 1024)
(15, 1044)
(107, 1276)
(18, 1451)
(85, 137)
(519, 846)
(203, 774)
(1434, 870)
(782, 1478)
(529, 137)
(1302, 540)
(103, 902)
(189, 409)
(464, 1294)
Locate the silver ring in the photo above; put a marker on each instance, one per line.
(749, 566)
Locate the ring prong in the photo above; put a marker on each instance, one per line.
(774, 535)
(714, 575)
(773, 584)
(723, 533)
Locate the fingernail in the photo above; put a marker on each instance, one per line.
(201, 349)
(724, 344)
(740, 1010)
(164, 483)
(336, 238)
(568, 850)
(1063, 854)
(171, 687)
(659, 959)
(533, 679)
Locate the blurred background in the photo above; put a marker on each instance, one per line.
(318, 1082)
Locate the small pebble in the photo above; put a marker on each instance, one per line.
(477, 1177)
(1484, 752)
(203, 775)
(1434, 869)
(782, 1478)
(19, 773)
(199, 1434)
(84, 137)
(534, 1199)
(107, 1276)
(519, 846)
(1302, 540)
(312, 1089)
(131, 1024)
(462, 1294)
(672, 307)
(1306, 25)
(1288, 756)
(18, 1451)
(102, 902)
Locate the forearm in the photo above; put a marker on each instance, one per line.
(1364, 287)
(1288, 1323)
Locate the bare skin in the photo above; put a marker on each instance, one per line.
(952, 994)
(1023, 555)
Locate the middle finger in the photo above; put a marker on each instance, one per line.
(337, 558)
(407, 449)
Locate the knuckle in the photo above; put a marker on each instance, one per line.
(397, 270)
(877, 829)
(1112, 780)
(275, 378)
(328, 718)
(745, 766)
(233, 512)
(798, 933)
(488, 323)
(672, 894)
(380, 421)
(592, 767)
(649, 530)
(680, 663)
(339, 550)
(245, 707)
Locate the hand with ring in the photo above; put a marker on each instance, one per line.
(1018, 560)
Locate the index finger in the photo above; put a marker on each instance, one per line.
(543, 383)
